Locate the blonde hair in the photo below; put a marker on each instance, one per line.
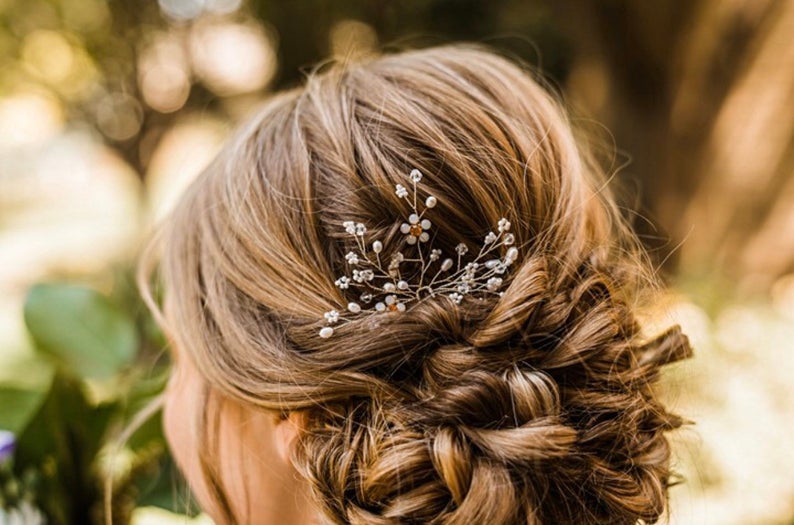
(535, 407)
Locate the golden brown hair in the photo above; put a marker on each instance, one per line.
(535, 407)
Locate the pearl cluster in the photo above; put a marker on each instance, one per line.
(383, 289)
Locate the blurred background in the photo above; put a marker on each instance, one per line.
(108, 109)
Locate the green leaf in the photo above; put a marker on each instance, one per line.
(81, 328)
(61, 442)
(18, 408)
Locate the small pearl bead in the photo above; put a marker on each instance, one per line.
(326, 332)
(377, 246)
(431, 201)
(354, 307)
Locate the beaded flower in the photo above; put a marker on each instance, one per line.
(382, 286)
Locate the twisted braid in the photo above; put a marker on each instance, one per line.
(546, 399)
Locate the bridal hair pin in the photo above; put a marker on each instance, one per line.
(383, 289)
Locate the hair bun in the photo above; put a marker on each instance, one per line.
(513, 417)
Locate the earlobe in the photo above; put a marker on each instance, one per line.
(287, 428)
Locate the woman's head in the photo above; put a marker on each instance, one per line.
(533, 406)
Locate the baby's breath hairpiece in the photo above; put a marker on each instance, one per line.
(383, 290)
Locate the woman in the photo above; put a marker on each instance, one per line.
(403, 293)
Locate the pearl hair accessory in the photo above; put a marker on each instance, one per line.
(383, 290)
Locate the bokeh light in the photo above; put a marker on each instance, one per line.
(59, 60)
(49, 55)
(352, 38)
(232, 58)
(119, 116)
(182, 10)
(164, 73)
(29, 118)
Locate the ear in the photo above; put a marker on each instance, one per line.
(286, 430)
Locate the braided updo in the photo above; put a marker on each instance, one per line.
(533, 407)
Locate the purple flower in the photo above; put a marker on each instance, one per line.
(7, 444)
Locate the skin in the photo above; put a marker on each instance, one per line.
(254, 447)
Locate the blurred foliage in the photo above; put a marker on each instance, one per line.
(109, 367)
